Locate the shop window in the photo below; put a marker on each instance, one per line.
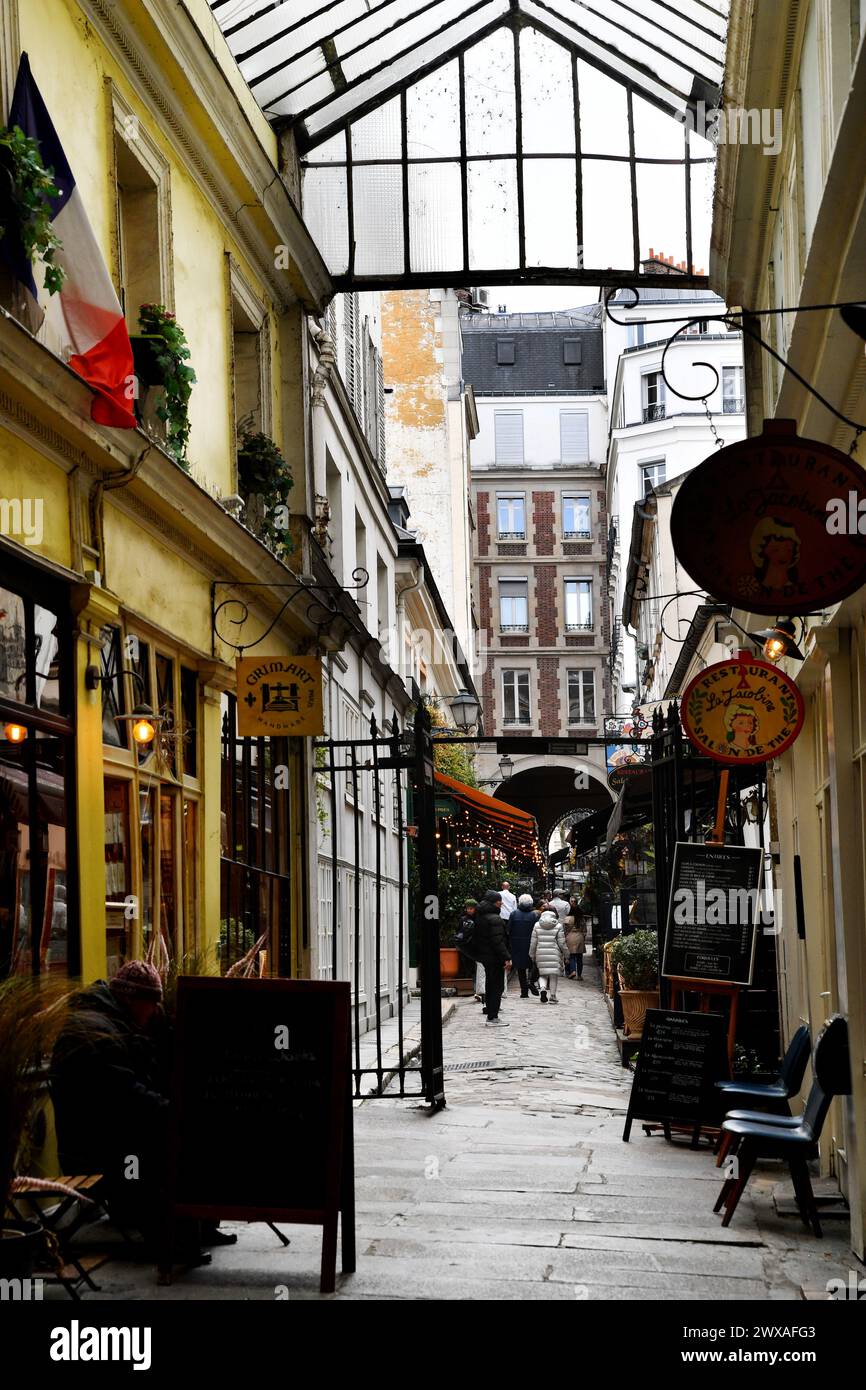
(113, 700)
(189, 715)
(118, 875)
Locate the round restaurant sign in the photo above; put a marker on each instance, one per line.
(773, 524)
(742, 711)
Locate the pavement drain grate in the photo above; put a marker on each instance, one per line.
(497, 1066)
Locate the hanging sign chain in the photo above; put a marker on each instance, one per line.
(717, 438)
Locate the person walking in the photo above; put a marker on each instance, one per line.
(575, 941)
(559, 905)
(547, 949)
(520, 925)
(509, 901)
(493, 952)
(463, 937)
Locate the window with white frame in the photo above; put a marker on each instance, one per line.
(733, 397)
(652, 473)
(574, 436)
(653, 396)
(511, 516)
(637, 333)
(581, 697)
(514, 605)
(515, 697)
(578, 605)
(575, 518)
(508, 436)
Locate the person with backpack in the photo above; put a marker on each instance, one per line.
(547, 949)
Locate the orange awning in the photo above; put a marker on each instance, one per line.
(504, 825)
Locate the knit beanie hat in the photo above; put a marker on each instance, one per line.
(470, 902)
(137, 979)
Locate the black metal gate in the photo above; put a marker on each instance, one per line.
(385, 899)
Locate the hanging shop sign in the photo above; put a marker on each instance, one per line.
(279, 695)
(774, 524)
(742, 711)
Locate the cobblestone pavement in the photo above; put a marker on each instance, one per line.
(521, 1188)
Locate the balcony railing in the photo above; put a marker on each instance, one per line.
(514, 627)
(511, 535)
(516, 719)
(580, 627)
(733, 405)
(577, 535)
(653, 412)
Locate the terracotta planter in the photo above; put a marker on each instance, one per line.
(635, 1003)
(449, 962)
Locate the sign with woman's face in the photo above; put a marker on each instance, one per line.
(742, 711)
(766, 524)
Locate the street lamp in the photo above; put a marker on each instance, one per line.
(506, 767)
(465, 709)
(778, 641)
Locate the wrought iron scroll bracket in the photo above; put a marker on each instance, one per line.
(322, 606)
(736, 320)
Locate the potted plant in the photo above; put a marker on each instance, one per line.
(449, 955)
(31, 1015)
(161, 355)
(264, 482)
(26, 202)
(638, 972)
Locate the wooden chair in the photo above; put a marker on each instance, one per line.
(84, 1190)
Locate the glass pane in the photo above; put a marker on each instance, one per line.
(661, 201)
(48, 689)
(189, 718)
(603, 114)
(378, 208)
(326, 214)
(433, 114)
(656, 134)
(491, 119)
(167, 887)
(550, 212)
(493, 241)
(138, 660)
(331, 151)
(703, 178)
(190, 875)
(435, 217)
(379, 135)
(547, 95)
(168, 733)
(146, 830)
(12, 647)
(118, 874)
(113, 702)
(51, 802)
(607, 239)
(15, 914)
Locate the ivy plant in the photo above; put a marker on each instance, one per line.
(30, 201)
(178, 379)
(264, 482)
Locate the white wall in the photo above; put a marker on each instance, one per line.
(541, 428)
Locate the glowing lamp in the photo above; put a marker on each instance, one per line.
(15, 733)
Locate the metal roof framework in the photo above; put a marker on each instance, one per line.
(433, 132)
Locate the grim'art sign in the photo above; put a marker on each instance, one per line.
(279, 695)
(742, 711)
(775, 524)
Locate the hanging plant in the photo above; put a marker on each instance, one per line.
(167, 355)
(264, 482)
(29, 202)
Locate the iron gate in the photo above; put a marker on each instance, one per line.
(381, 858)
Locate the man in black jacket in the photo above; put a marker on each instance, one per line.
(110, 1112)
(493, 951)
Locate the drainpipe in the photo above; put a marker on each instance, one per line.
(401, 604)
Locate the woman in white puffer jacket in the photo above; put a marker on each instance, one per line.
(548, 949)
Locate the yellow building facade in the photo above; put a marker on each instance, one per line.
(114, 557)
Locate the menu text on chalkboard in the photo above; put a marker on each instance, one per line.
(681, 1057)
(714, 912)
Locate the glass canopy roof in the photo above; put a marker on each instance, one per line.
(449, 142)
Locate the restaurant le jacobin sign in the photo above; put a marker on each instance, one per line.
(742, 711)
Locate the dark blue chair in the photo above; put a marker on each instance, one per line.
(792, 1138)
(771, 1096)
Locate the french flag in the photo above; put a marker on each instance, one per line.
(91, 310)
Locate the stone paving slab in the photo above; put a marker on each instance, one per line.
(522, 1189)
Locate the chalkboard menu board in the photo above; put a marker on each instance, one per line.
(713, 913)
(262, 1104)
(681, 1057)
